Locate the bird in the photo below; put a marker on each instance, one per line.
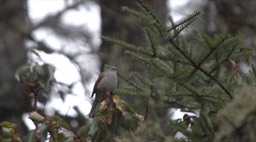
(106, 82)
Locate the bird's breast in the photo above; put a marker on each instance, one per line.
(108, 82)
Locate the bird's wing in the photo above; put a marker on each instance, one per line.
(97, 83)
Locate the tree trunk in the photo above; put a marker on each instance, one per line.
(13, 102)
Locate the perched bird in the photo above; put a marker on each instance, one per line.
(106, 82)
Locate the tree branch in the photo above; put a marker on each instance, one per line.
(200, 69)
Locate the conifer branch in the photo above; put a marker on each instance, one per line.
(200, 69)
(150, 36)
(211, 51)
(189, 89)
(131, 83)
(137, 14)
(204, 59)
(179, 30)
(156, 22)
(171, 59)
(183, 21)
(142, 79)
(129, 46)
(223, 61)
(192, 95)
(175, 104)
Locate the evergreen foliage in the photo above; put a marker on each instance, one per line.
(198, 75)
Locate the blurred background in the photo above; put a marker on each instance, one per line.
(66, 34)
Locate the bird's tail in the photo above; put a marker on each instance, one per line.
(94, 109)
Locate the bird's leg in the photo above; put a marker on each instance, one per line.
(112, 99)
(109, 98)
(107, 95)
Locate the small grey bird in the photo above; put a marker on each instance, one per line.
(106, 82)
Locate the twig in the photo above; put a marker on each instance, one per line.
(204, 59)
(175, 104)
(129, 82)
(230, 53)
(157, 22)
(200, 69)
(211, 51)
